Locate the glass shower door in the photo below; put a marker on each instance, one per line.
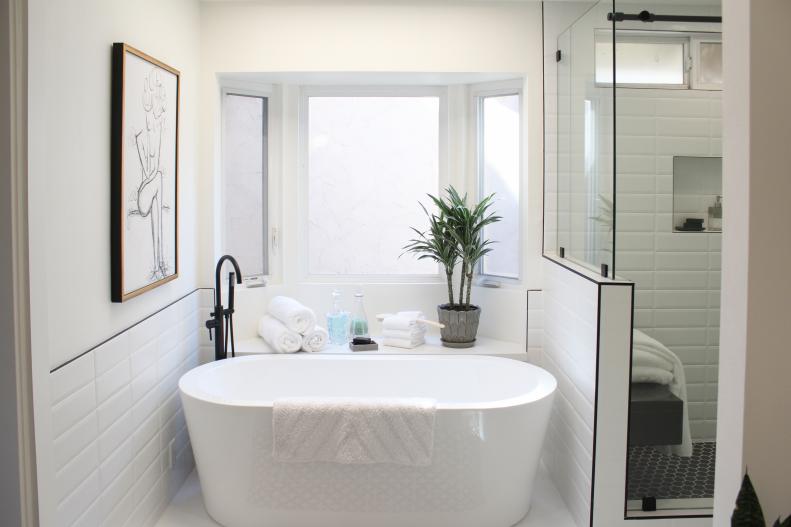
(667, 241)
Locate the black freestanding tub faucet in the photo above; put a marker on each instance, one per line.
(222, 318)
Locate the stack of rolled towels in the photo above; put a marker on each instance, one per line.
(289, 327)
(404, 330)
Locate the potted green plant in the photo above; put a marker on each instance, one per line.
(748, 511)
(455, 237)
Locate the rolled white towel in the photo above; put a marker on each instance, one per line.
(315, 339)
(278, 336)
(292, 314)
(403, 343)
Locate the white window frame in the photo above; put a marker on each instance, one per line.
(270, 220)
(306, 92)
(478, 93)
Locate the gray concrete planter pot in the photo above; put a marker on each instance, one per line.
(461, 326)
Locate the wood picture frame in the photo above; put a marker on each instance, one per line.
(144, 172)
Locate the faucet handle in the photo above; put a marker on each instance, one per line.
(211, 324)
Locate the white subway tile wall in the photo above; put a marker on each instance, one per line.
(121, 448)
(535, 325)
(570, 320)
(676, 274)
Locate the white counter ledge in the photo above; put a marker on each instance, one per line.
(433, 346)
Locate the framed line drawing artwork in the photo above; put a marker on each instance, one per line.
(144, 159)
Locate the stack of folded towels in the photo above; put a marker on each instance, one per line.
(653, 362)
(404, 330)
(289, 327)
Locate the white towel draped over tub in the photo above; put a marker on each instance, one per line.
(653, 362)
(292, 314)
(278, 336)
(354, 430)
(315, 339)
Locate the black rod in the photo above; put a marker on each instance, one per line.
(645, 16)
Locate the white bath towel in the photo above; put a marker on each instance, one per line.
(418, 332)
(315, 339)
(409, 343)
(292, 314)
(354, 430)
(677, 384)
(401, 323)
(642, 357)
(278, 336)
(651, 374)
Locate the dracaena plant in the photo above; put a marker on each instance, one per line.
(436, 244)
(455, 234)
(748, 512)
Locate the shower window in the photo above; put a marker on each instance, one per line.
(642, 60)
(244, 195)
(370, 156)
(707, 54)
(498, 152)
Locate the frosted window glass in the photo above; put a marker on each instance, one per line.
(500, 175)
(710, 63)
(641, 62)
(370, 160)
(244, 144)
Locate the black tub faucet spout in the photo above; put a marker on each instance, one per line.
(222, 318)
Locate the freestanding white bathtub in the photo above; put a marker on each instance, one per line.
(491, 418)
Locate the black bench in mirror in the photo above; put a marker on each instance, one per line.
(655, 415)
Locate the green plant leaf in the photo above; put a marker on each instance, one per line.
(784, 523)
(748, 511)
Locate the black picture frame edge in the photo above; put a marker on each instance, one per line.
(119, 50)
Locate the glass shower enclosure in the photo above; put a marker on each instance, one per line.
(633, 190)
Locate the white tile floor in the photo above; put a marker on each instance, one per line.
(186, 509)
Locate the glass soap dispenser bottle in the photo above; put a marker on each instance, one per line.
(715, 215)
(338, 321)
(359, 323)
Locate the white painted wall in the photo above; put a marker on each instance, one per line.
(754, 424)
(69, 152)
(69, 182)
(337, 37)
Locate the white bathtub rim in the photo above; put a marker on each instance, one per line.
(189, 383)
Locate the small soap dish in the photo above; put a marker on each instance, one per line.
(363, 344)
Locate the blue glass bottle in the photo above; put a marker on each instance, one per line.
(338, 321)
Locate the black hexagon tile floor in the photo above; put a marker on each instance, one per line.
(664, 476)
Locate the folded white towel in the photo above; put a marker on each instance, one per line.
(315, 339)
(417, 332)
(354, 431)
(643, 357)
(292, 314)
(403, 343)
(651, 374)
(411, 314)
(677, 385)
(402, 323)
(278, 336)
